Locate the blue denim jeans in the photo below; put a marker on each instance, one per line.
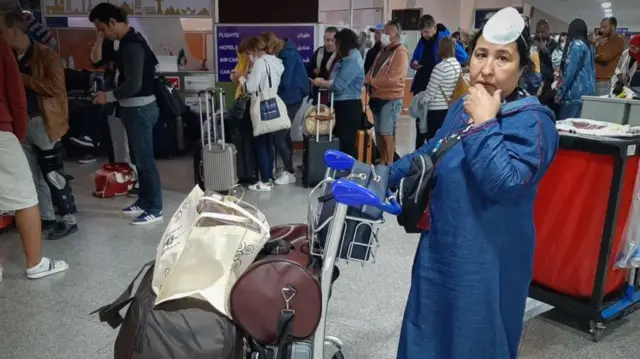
(569, 110)
(139, 122)
(265, 155)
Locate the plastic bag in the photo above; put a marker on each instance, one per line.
(629, 255)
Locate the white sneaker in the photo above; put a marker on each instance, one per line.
(261, 187)
(46, 268)
(286, 178)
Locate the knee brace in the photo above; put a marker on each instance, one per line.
(51, 165)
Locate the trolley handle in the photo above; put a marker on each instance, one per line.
(354, 195)
(338, 160)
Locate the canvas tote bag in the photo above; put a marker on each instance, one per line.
(268, 111)
(209, 243)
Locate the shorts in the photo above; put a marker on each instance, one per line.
(17, 190)
(385, 120)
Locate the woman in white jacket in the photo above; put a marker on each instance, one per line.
(265, 72)
(441, 85)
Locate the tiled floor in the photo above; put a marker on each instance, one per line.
(50, 318)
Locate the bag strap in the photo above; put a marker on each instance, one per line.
(265, 230)
(445, 144)
(285, 325)
(111, 313)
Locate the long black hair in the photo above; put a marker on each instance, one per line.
(577, 31)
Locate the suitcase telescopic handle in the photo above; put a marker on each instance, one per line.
(331, 114)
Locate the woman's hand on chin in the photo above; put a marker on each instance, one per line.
(481, 105)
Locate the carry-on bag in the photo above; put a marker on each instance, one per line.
(113, 180)
(302, 349)
(314, 169)
(365, 146)
(186, 328)
(268, 111)
(359, 238)
(209, 242)
(218, 157)
(278, 298)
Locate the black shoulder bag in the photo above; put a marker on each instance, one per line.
(415, 189)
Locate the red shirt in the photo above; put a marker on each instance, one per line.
(13, 102)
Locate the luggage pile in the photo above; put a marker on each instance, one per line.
(252, 293)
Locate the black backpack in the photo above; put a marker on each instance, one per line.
(169, 98)
(179, 329)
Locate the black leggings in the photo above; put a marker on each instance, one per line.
(348, 122)
(435, 119)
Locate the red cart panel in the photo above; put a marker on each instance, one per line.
(569, 213)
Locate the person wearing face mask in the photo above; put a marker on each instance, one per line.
(577, 70)
(626, 71)
(472, 270)
(385, 81)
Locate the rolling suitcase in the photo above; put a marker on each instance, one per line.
(219, 166)
(314, 169)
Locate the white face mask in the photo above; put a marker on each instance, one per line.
(385, 40)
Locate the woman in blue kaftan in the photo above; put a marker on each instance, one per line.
(472, 269)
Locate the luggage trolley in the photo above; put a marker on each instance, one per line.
(347, 194)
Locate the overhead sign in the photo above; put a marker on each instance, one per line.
(622, 30)
(228, 38)
(154, 8)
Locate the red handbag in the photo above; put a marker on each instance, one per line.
(113, 180)
(5, 221)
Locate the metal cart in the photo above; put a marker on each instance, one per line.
(347, 194)
(600, 308)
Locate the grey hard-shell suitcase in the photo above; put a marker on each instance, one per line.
(219, 161)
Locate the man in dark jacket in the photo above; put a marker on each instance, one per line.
(545, 45)
(373, 52)
(425, 56)
(135, 95)
(323, 59)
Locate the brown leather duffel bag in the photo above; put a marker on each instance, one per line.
(278, 298)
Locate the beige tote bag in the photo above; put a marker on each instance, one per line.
(223, 238)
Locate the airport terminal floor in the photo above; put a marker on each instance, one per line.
(50, 318)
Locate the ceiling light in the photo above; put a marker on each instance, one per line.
(605, 5)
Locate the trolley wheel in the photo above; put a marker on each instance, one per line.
(338, 355)
(596, 329)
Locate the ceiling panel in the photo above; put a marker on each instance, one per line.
(626, 11)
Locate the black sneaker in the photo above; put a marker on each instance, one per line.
(86, 159)
(62, 230)
(49, 224)
(134, 192)
(83, 141)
